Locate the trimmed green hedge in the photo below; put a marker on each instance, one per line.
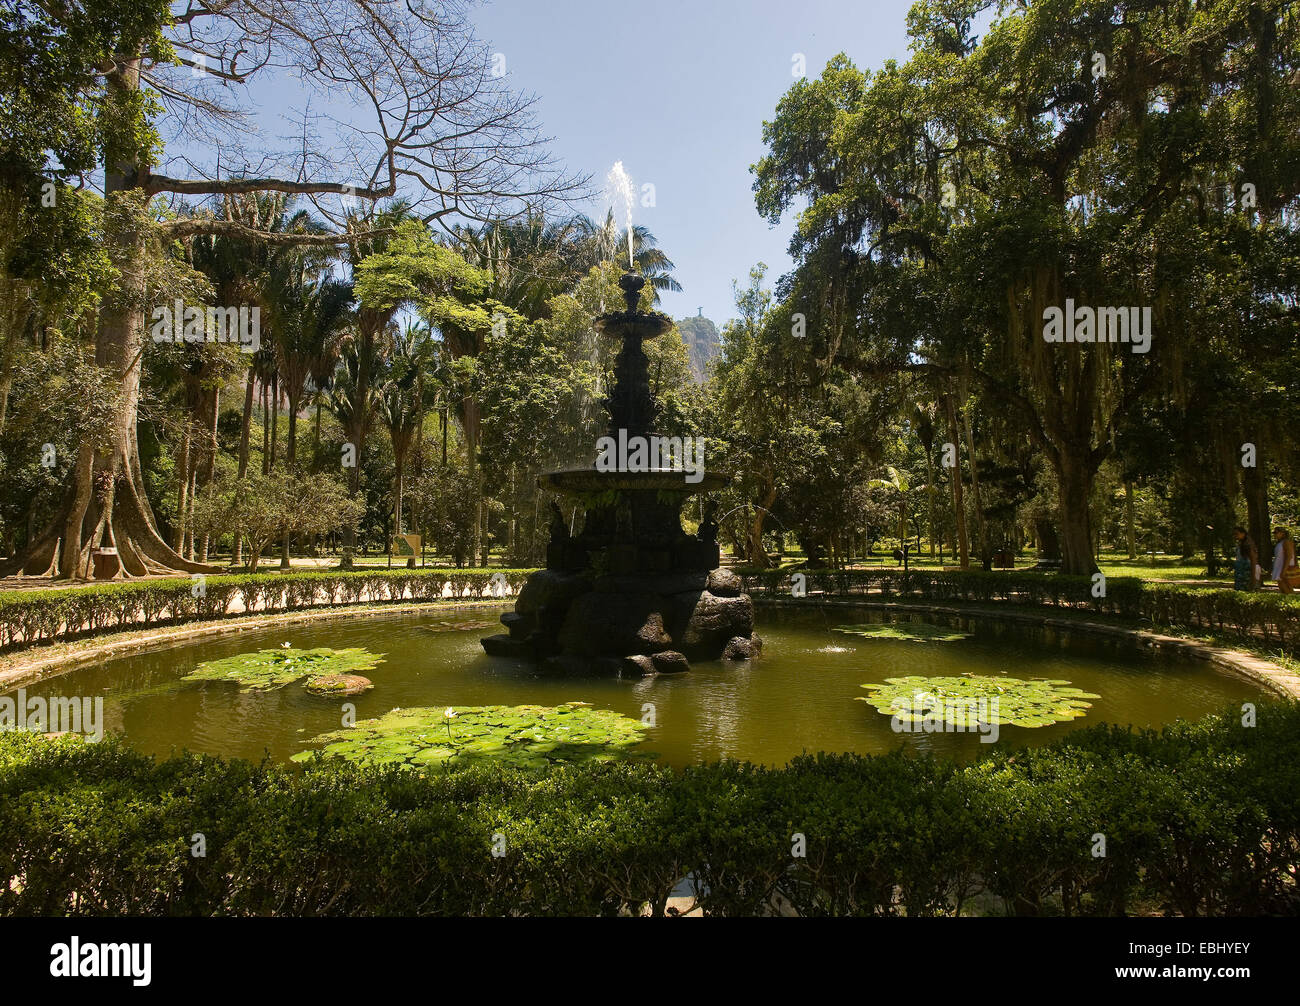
(1251, 617)
(31, 616)
(1199, 819)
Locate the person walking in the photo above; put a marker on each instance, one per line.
(1245, 569)
(1284, 568)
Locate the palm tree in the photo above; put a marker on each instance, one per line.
(310, 316)
(354, 403)
(402, 400)
(604, 243)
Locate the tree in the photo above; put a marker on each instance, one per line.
(442, 126)
(954, 198)
(262, 507)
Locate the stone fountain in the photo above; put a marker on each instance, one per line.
(631, 593)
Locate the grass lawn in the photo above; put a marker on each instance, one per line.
(1148, 567)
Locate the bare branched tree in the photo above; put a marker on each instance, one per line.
(414, 110)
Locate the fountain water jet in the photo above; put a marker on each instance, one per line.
(618, 186)
(632, 592)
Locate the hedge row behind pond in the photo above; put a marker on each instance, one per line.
(1256, 617)
(31, 616)
(1197, 819)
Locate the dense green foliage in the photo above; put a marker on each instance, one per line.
(1199, 819)
(1021, 157)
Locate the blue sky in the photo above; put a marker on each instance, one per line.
(699, 77)
(676, 90)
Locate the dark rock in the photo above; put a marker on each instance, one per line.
(661, 583)
(550, 588)
(725, 583)
(670, 662)
(502, 645)
(713, 621)
(615, 625)
(637, 666)
(572, 665)
(520, 625)
(743, 648)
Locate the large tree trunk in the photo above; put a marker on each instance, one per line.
(754, 533)
(182, 489)
(980, 522)
(291, 461)
(1255, 488)
(210, 456)
(929, 491)
(369, 326)
(245, 434)
(1128, 517)
(1074, 478)
(958, 503)
(105, 502)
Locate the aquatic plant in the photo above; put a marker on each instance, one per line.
(1018, 702)
(266, 670)
(523, 736)
(915, 631)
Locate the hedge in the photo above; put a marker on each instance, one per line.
(32, 616)
(1248, 616)
(45, 615)
(1198, 818)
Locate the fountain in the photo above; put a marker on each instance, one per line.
(631, 593)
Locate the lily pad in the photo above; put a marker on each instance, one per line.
(530, 736)
(267, 670)
(914, 631)
(971, 699)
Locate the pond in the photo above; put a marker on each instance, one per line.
(800, 696)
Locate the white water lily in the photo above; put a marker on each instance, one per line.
(450, 713)
(287, 645)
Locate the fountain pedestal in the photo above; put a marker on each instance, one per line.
(632, 592)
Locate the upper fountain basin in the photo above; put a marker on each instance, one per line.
(639, 324)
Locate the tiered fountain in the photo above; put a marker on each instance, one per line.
(631, 593)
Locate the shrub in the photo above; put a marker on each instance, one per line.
(47, 615)
(1199, 819)
(1250, 617)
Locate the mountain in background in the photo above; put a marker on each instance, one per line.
(703, 344)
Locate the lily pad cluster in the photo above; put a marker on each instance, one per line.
(267, 670)
(979, 698)
(527, 736)
(915, 631)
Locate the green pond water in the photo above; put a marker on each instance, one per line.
(800, 696)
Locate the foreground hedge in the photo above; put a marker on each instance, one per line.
(31, 616)
(1251, 617)
(1198, 819)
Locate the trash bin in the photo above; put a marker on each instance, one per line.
(105, 562)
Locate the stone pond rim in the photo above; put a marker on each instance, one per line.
(631, 593)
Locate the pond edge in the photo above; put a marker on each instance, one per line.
(1274, 677)
(33, 667)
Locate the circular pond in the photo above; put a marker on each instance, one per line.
(800, 696)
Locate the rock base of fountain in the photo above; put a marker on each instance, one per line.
(628, 624)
